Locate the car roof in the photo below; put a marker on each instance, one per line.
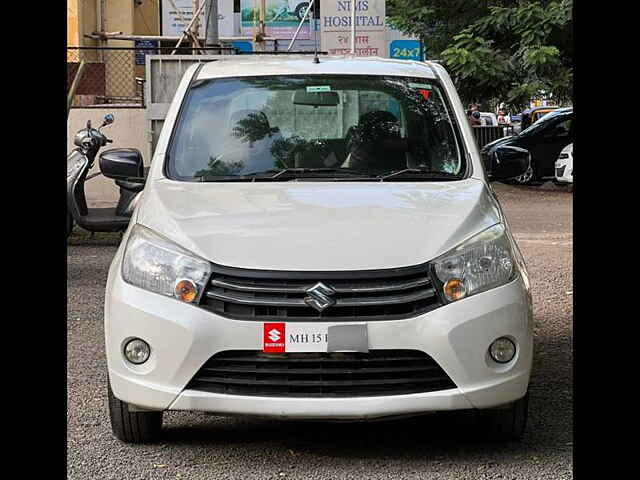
(556, 113)
(258, 65)
(535, 109)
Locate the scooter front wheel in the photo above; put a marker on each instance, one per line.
(69, 224)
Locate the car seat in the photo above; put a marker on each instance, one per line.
(375, 144)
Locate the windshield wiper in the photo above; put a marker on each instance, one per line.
(285, 171)
(225, 178)
(423, 172)
(262, 176)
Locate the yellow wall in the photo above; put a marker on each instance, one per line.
(146, 18)
(121, 16)
(89, 21)
(119, 64)
(72, 23)
(124, 16)
(81, 19)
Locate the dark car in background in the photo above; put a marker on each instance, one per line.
(544, 140)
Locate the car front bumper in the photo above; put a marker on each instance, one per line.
(183, 337)
(563, 172)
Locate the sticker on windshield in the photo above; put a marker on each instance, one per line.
(420, 85)
(424, 89)
(321, 88)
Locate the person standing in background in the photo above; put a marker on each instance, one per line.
(473, 114)
(503, 117)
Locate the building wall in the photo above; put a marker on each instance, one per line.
(88, 22)
(73, 39)
(127, 131)
(119, 18)
(146, 21)
(146, 18)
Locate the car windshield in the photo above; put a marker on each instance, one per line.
(315, 126)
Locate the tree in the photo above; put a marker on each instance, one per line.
(512, 51)
(436, 22)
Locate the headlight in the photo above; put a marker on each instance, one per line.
(156, 264)
(483, 262)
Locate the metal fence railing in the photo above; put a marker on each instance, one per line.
(486, 134)
(108, 78)
(115, 76)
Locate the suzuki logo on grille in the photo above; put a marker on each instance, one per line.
(274, 335)
(319, 297)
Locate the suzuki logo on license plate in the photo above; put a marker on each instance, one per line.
(273, 337)
(319, 296)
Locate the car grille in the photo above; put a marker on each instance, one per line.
(369, 294)
(560, 171)
(379, 372)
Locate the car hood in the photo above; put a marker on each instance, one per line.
(318, 226)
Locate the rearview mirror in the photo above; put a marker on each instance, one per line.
(508, 162)
(122, 164)
(316, 99)
(108, 119)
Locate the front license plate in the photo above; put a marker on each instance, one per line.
(294, 337)
(280, 337)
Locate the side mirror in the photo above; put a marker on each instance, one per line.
(508, 162)
(122, 164)
(108, 119)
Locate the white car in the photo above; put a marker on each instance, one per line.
(489, 119)
(262, 276)
(298, 8)
(564, 165)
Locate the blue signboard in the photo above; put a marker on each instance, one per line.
(243, 47)
(406, 50)
(146, 45)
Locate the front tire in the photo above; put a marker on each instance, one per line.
(132, 427)
(506, 424)
(301, 10)
(526, 178)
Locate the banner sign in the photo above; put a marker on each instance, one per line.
(282, 18)
(173, 25)
(405, 50)
(148, 47)
(335, 27)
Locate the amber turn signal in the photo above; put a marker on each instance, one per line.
(186, 291)
(454, 289)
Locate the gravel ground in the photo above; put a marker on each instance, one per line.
(198, 446)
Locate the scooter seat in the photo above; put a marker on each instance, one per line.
(131, 186)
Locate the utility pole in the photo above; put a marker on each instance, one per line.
(353, 27)
(212, 39)
(102, 25)
(262, 33)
